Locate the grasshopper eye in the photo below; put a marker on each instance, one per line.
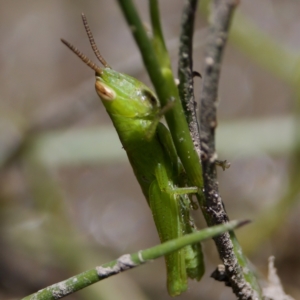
(104, 91)
(147, 95)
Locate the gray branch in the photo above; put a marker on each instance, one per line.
(185, 70)
(228, 247)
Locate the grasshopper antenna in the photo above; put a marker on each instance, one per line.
(84, 58)
(93, 43)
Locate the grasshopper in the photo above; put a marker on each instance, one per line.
(135, 112)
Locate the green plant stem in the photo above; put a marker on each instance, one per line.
(158, 39)
(155, 21)
(126, 262)
(166, 90)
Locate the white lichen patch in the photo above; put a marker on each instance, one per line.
(209, 61)
(140, 256)
(103, 272)
(177, 81)
(185, 55)
(214, 157)
(123, 263)
(60, 290)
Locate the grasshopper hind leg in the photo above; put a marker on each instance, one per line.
(193, 253)
(194, 258)
(166, 215)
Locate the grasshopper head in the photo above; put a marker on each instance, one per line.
(125, 96)
(121, 94)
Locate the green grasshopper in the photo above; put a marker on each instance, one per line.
(135, 113)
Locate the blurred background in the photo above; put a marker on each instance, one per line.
(68, 197)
